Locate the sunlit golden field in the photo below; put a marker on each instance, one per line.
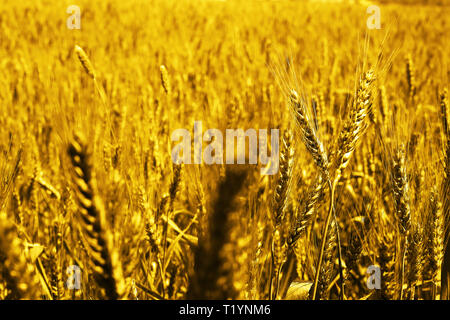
(93, 207)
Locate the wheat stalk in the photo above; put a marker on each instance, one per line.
(90, 71)
(352, 131)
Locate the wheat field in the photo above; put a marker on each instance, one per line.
(94, 207)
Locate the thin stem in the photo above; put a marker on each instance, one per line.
(341, 273)
(277, 283)
(324, 236)
(271, 275)
(403, 268)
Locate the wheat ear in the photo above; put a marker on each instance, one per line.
(434, 241)
(410, 77)
(304, 218)
(400, 188)
(308, 133)
(352, 131)
(282, 188)
(107, 268)
(415, 259)
(387, 266)
(90, 71)
(327, 265)
(280, 200)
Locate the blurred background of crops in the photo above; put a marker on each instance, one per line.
(207, 231)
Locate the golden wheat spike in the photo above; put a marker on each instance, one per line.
(105, 263)
(85, 62)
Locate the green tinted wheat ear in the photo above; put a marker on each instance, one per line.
(106, 266)
(15, 271)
